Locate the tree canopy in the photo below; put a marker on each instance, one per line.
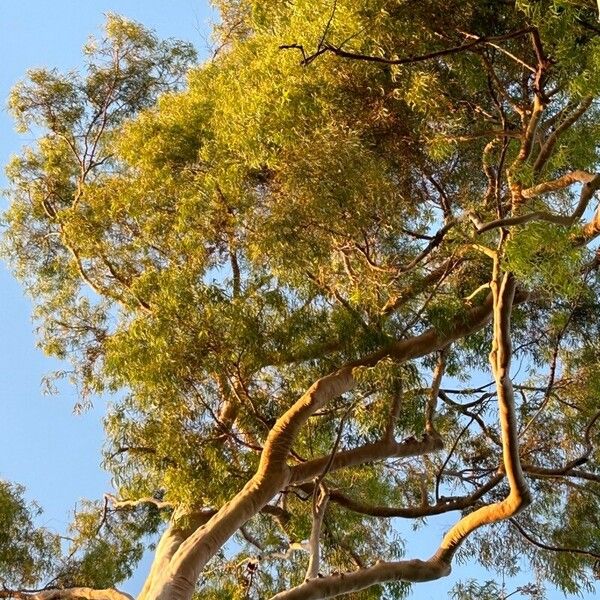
(307, 266)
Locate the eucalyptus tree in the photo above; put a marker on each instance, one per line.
(346, 273)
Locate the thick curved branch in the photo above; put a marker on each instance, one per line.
(182, 525)
(177, 581)
(519, 497)
(344, 583)
(179, 529)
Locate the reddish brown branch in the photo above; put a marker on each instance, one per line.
(549, 547)
(338, 51)
(414, 512)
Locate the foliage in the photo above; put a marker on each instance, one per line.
(26, 552)
(471, 590)
(214, 238)
(102, 546)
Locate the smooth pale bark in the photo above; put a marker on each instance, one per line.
(169, 543)
(366, 454)
(439, 565)
(177, 581)
(320, 501)
(519, 496)
(344, 583)
(560, 183)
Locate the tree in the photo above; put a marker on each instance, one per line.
(296, 265)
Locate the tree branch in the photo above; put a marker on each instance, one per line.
(344, 583)
(549, 144)
(544, 546)
(519, 497)
(366, 454)
(432, 278)
(433, 244)
(273, 473)
(307, 59)
(415, 512)
(591, 185)
(394, 412)
(320, 501)
(561, 183)
(438, 374)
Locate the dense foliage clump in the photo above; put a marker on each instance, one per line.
(289, 257)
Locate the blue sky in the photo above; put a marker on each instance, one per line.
(54, 453)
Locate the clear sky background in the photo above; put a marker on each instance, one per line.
(43, 445)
